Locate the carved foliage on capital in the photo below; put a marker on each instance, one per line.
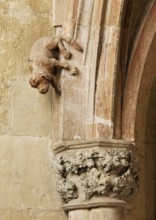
(108, 172)
(67, 189)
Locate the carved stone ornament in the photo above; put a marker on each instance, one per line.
(43, 61)
(105, 172)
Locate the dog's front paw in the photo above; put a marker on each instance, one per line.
(74, 71)
(66, 54)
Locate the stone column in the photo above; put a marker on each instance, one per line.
(96, 174)
(95, 213)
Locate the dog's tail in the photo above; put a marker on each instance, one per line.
(73, 43)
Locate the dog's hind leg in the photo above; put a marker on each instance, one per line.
(57, 90)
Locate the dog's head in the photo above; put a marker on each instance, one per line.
(41, 82)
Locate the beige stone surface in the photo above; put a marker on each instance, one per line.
(21, 23)
(30, 111)
(114, 12)
(79, 214)
(100, 32)
(27, 177)
(31, 122)
(105, 213)
(104, 100)
(58, 12)
(31, 214)
(28, 181)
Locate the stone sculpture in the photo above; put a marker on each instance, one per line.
(109, 172)
(43, 61)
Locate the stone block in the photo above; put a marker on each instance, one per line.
(30, 111)
(4, 102)
(73, 123)
(31, 214)
(18, 19)
(27, 177)
(58, 12)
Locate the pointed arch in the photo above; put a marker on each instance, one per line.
(135, 76)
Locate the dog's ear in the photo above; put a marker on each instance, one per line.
(47, 76)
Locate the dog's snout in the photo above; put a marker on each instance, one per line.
(43, 90)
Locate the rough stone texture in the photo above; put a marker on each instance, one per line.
(58, 13)
(104, 115)
(25, 165)
(25, 169)
(104, 64)
(89, 111)
(30, 111)
(86, 109)
(31, 214)
(27, 186)
(21, 24)
(100, 172)
(143, 110)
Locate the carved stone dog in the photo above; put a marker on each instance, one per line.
(43, 61)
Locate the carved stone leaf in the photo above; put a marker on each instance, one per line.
(125, 185)
(67, 189)
(112, 172)
(95, 182)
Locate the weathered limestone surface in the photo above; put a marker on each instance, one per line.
(27, 180)
(31, 214)
(30, 112)
(79, 214)
(23, 162)
(21, 24)
(86, 108)
(99, 171)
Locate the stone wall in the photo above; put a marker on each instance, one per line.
(89, 109)
(27, 186)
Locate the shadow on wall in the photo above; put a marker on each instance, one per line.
(150, 156)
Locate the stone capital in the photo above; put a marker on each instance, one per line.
(96, 169)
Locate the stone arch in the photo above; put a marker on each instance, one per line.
(139, 115)
(136, 75)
